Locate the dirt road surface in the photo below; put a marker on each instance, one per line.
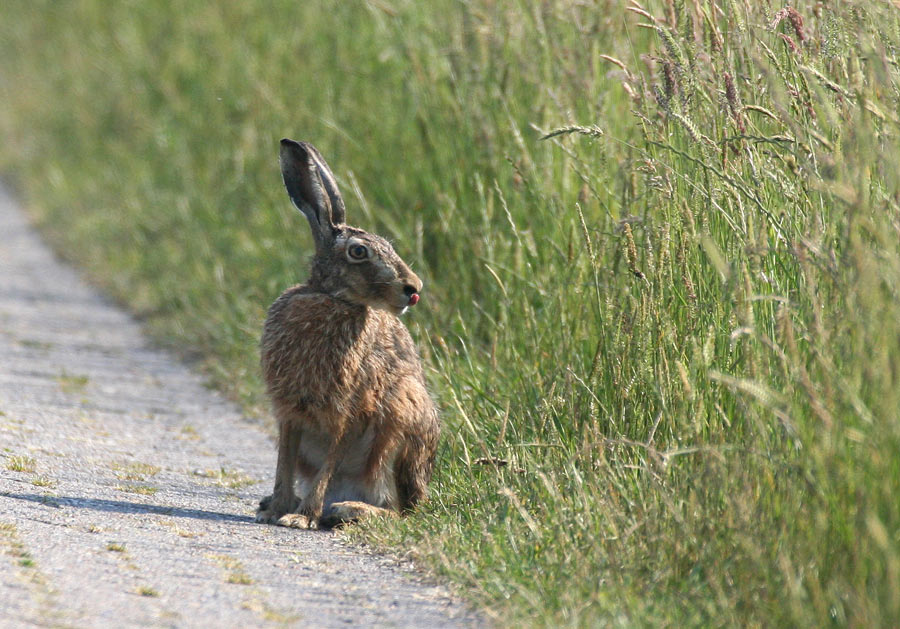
(127, 487)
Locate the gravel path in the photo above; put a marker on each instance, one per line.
(127, 488)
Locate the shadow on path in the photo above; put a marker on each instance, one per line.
(121, 506)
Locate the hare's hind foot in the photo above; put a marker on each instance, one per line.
(347, 512)
(271, 511)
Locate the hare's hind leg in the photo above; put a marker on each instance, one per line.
(349, 511)
(282, 500)
(412, 485)
(413, 468)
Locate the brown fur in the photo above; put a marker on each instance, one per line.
(357, 427)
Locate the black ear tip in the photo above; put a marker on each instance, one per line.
(298, 150)
(294, 151)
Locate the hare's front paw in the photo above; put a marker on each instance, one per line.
(297, 521)
(266, 503)
(271, 510)
(266, 516)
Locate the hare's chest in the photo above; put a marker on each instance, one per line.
(324, 358)
(330, 373)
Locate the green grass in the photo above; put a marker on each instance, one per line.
(21, 464)
(134, 471)
(234, 570)
(72, 384)
(230, 479)
(144, 490)
(145, 590)
(43, 481)
(676, 320)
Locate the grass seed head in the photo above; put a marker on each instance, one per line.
(631, 251)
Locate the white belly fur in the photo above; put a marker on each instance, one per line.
(347, 481)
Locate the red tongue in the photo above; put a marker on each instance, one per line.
(414, 299)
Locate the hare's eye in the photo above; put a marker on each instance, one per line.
(358, 252)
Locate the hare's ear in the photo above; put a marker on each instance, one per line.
(312, 188)
(338, 213)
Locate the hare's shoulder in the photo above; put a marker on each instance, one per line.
(327, 325)
(300, 305)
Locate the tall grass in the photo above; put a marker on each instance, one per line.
(661, 246)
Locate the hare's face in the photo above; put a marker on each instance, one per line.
(371, 273)
(349, 264)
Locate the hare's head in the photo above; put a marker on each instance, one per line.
(350, 264)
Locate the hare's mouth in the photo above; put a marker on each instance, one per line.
(393, 298)
(389, 306)
(399, 310)
(399, 304)
(413, 299)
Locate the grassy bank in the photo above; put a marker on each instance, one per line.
(666, 339)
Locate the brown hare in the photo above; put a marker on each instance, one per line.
(357, 428)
